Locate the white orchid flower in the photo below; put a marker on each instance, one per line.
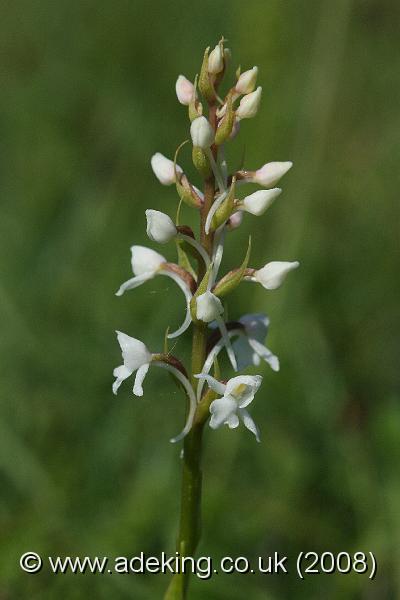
(138, 358)
(236, 394)
(146, 264)
(209, 308)
(185, 91)
(249, 346)
(273, 274)
(162, 229)
(163, 168)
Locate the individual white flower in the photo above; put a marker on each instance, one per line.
(208, 307)
(184, 90)
(137, 358)
(216, 60)
(247, 81)
(258, 202)
(163, 168)
(272, 275)
(270, 173)
(146, 264)
(202, 133)
(237, 394)
(249, 346)
(249, 105)
(160, 227)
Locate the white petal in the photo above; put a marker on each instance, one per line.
(270, 173)
(245, 355)
(140, 375)
(249, 105)
(121, 373)
(227, 342)
(265, 354)
(208, 307)
(163, 168)
(160, 227)
(243, 388)
(221, 410)
(232, 421)
(134, 282)
(144, 260)
(274, 273)
(188, 296)
(213, 383)
(258, 202)
(256, 325)
(249, 423)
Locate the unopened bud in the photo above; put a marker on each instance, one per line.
(270, 173)
(202, 133)
(163, 168)
(184, 90)
(274, 273)
(235, 220)
(258, 202)
(247, 81)
(160, 227)
(249, 105)
(216, 60)
(208, 307)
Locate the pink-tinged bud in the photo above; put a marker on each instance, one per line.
(163, 168)
(235, 220)
(184, 90)
(202, 133)
(216, 60)
(249, 105)
(247, 81)
(270, 173)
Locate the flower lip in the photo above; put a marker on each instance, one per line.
(160, 227)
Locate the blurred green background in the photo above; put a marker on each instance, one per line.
(87, 96)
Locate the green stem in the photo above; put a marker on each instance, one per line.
(190, 518)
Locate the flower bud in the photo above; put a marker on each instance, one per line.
(270, 173)
(274, 273)
(247, 81)
(249, 105)
(216, 60)
(257, 203)
(202, 133)
(208, 307)
(145, 260)
(163, 168)
(235, 220)
(160, 227)
(184, 90)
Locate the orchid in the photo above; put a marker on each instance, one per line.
(219, 204)
(237, 393)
